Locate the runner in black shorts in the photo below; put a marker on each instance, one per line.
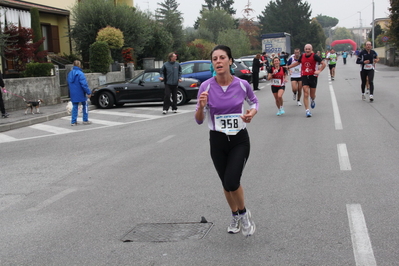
(278, 76)
(309, 72)
(296, 79)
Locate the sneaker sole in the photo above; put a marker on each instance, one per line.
(234, 231)
(252, 228)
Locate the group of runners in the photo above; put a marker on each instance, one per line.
(221, 102)
(305, 68)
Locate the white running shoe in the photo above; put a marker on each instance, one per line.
(235, 224)
(294, 96)
(363, 97)
(299, 103)
(371, 98)
(248, 225)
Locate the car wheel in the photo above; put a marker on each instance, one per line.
(181, 97)
(105, 100)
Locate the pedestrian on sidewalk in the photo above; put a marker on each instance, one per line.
(79, 91)
(221, 99)
(171, 76)
(4, 114)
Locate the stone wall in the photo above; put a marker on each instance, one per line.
(45, 88)
(48, 88)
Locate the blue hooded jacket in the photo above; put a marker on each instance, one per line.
(78, 86)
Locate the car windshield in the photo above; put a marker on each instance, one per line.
(248, 63)
(187, 68)
(146, 77)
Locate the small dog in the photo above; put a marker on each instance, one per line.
(31, 104)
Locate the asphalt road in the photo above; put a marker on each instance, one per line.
(322, 190)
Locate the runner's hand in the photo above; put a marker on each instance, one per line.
(203, 99)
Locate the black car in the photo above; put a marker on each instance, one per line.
(144, 88)
(242, 71)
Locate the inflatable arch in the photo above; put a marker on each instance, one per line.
(354, 45)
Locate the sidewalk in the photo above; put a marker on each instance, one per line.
(18, 119)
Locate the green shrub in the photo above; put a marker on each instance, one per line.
(100, 57)
(38, 69)
(113, 36)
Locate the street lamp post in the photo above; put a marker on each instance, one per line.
(372, 29)
(360, 28)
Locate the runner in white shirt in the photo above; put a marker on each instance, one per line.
(296, 80)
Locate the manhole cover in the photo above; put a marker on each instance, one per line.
(167, 232)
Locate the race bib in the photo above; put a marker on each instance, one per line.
(296, 70)
(276, 82)
(368, 66)
(230, 124)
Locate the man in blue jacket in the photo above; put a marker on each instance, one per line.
(78, 89)
(171, 76)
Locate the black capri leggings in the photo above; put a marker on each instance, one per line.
(363, 75)
(229, 155)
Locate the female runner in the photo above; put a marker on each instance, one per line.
(221, 99)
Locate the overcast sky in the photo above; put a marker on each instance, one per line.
(347, 11)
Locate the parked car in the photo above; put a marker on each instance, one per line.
(248, 62)
(198, 69)
(242, 71)
(144, 88)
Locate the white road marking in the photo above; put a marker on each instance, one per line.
(362, 249)
(98, 121)
(52, 129)
(337, 116)
(5, 138)
(89, 128)
(125, 114)
(165, 139)
(343, 157)
(53, 199)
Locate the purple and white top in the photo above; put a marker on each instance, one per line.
(226, 106)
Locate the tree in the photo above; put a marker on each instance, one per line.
(317, 36)
(237, 40)
(159, 44)
(378, 34)
(100, 57)
(250, 27)
(291, 16)
(92, 15)
(112, 36)
(326, 21)
(211, 5)
(226, 5)
(216, 21)
(20, 48)
(172, 21)
(204, 48)
(394, 26)
(35, 25)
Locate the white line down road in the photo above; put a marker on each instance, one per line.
(343, 157)
(364, 255)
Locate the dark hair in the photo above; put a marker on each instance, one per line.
(223, 48)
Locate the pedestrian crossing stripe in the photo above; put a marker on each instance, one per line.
(6, 138)
(51, 129)
(98, 121)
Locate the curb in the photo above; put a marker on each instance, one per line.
(36, 120)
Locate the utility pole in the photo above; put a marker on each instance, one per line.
(372, 29)
(360, 29)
